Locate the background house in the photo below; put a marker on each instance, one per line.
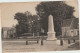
(70, 27)
(8, 32)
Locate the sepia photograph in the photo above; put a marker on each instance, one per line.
(40, 26)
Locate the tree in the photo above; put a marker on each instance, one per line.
(22, 26)
(27, 23)
(36, 24)
(60, 11)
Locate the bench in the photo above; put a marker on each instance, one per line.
(31, 39)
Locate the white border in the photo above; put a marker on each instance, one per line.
(1, 1)
(29, 0)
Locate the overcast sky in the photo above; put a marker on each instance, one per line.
(8, 11)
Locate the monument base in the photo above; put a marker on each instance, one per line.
(51, 36)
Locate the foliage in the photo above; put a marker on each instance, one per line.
(36, 24)
(58, 9)
(22, 26)
(27, 23)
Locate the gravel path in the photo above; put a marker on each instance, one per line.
(20, 46)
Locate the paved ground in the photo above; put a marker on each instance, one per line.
(20, 46)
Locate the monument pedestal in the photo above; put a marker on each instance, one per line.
(51, 36)
(51, 32)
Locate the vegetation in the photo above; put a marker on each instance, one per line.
(27, 23)
(60, 11)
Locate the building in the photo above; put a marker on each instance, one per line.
(8, 32)
(70, 27)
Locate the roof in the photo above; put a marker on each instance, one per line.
(66, 23)
(73, 23)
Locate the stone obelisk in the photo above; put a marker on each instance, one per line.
(51, 32)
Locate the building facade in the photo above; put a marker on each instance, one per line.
(70, 27)
(8, 32)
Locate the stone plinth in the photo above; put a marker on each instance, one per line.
(51, 36)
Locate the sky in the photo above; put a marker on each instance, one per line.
(8, 11)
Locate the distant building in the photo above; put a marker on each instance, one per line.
(8, 32)
(70, 27)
